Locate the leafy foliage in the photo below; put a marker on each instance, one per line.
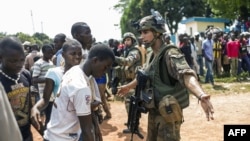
(230, 8)
(41, 36)
(25, 37)
(2, 34)
(131, 13)
(172, 10)
(175, 10)
(37, 38)
(121, 5)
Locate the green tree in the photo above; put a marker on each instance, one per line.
(194, 8)
(38, 42)
(172, 10)
(146, 6)
(121, 5)
(131, 13)
(42, 37)
(230, 8)
(25, 37)
(2, 34)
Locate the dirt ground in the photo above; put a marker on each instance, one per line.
(230, 108)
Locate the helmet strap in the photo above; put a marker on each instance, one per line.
(156, 36)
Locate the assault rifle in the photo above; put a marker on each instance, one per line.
(136, 106)
(114, 85)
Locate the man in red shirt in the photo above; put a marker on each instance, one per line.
(233, 48)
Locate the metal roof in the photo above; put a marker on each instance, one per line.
(204, 19)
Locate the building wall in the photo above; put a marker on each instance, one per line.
(193, 27)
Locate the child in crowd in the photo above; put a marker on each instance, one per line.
(16, 82)
(77, 97)
(72, 54)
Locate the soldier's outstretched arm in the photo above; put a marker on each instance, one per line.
(132, 57)
(187, 77)
(124, 89)
(194, 87)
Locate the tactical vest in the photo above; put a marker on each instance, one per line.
(143, 53)
(162, 83)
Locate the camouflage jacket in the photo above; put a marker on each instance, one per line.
(129, 62)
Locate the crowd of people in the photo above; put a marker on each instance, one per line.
(221, 54)
(62, 89)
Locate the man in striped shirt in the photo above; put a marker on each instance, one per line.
(40, 69)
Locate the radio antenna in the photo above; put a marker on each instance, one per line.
(32, 21)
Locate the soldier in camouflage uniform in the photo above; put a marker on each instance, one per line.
(170, 79)
(128, 62)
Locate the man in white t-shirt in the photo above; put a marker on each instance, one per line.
(78, 96)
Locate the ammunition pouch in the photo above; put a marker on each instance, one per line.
(170, 109)
(129, 73)
(149, 94)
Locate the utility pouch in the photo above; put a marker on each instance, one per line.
(149, 94)
(170, 109)
(130, 72)
(117, 72)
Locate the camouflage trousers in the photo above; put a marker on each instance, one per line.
(160, 130)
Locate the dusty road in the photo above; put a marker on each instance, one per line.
(229, 109)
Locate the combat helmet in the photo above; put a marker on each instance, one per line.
(154, 21)
(129, 35)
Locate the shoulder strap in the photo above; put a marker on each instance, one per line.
(166, 48)
(163, 66)
(142, 54)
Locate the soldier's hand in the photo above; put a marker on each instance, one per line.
(123, 90)
(207, 106)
